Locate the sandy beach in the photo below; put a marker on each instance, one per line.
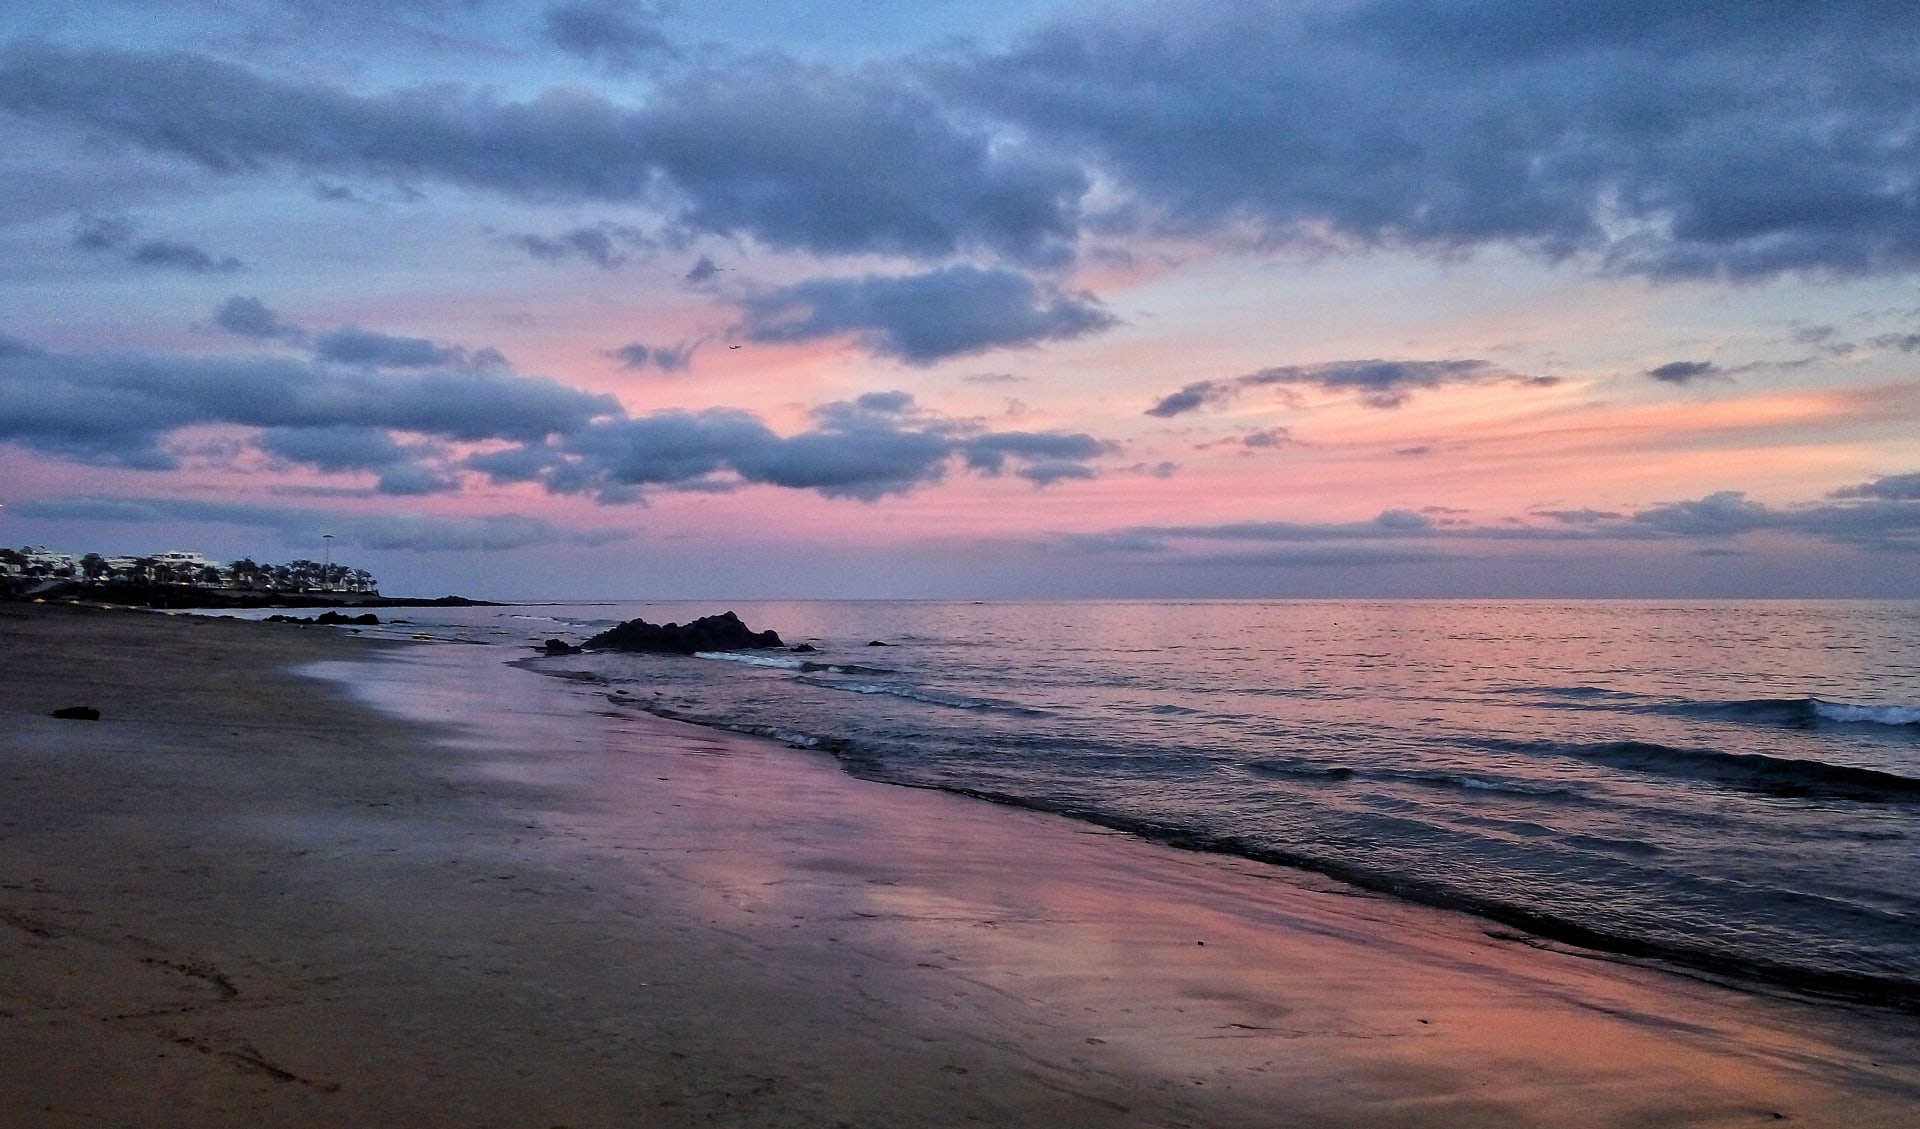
(295, 878)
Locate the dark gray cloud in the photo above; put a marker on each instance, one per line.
(725, 448)
(1058, 450)
(1883, 514)
(351, 345)
(924, 318)
(1674, 140)
(122, 409)
(667, 358)
(606, 245)
(401, 468)
(181, 256)
(1055, 470)
(1684, 372)
(1897, 487)
(1723, 139)
(1269, 438)
(303, 527)
(879, 444)
(116, 409)
(805, 158)
(798, 157)
(1904, 342)
(333, 448)
(408, 479)
(1727, 513)
(1193, 397)
(613, 33)
(703, 271)
(114, 235)
(1388, 384)
(245, 316)
(1381, 384)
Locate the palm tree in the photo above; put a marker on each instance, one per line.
(245, 573)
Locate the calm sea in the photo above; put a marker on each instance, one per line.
(1730, 785)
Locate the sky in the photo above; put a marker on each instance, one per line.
(612, 299)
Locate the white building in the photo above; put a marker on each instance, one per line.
(183, 567)
(42, 561)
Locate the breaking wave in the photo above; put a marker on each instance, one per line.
(1751, 772)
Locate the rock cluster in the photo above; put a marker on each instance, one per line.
(723, 632)
(331, 618)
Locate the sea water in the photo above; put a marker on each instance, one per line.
(1733, 786)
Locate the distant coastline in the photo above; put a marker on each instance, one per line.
(189, 596)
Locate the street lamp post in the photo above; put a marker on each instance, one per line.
(326, 568)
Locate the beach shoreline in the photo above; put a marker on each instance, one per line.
(246, 897)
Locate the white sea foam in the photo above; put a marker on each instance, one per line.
(1878, 715)
(752, 660)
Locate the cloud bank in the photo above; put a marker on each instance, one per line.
(339, 413)
(1719, 140)
(1880, 515)
(877, 445)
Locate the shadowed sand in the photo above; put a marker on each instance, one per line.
(246, 897)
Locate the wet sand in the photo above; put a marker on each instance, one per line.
(247, 897)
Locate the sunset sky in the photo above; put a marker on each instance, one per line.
(1002, 298)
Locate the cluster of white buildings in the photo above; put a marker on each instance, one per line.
(40, 561)
(177, 566)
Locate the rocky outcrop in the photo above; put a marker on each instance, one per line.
(332, 619)
(77, 713)
(723, 632)
(560, 647)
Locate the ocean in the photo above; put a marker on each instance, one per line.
(1732, 787)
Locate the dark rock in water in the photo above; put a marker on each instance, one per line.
(77, 713)
(804, 649)
(723, 632)
(877, 643)
(560, 647)
(336, 618)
